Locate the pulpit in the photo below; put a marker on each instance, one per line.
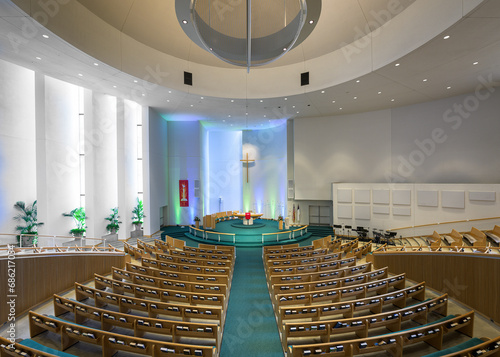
(248, 220)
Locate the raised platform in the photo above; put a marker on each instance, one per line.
(262, 232)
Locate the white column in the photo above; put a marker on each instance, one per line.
(17, 141)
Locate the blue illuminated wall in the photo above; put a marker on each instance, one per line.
(183, 164)
(222, 171)
(265, 191)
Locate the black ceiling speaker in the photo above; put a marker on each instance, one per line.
(188, 78)
(304, 79)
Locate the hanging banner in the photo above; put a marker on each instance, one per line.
(184, 193)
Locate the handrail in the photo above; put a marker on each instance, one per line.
(48, 236)
(441, 223)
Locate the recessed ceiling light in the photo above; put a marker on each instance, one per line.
(223, 120)
(322, 92)
(358, 81)
(293, 106)
(96, 64)
(424, 80)
(355, 98)
(446, 37)
(135, 80)
(448, 87)
(284, 48)
(202, 97)
(114, 86)
(311, 22)
(246, 113)
(143, 94)
(397, 64)
(45, 36)
(286, 98)
(229, 116)
(333, 101)
(232, 100)
(81, 75)
(379, 92)
(475, 63)
(265, 116)
(392, 100)
(184, 22)
(168, 100)
(169, 91)
(192, 105)
(39, 58)
(340, 108)
(261, 101)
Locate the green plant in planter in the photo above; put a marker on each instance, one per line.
(78, 215)
(196, 219)
(28, 216)
(138, 213)
(114, 223)
(280, 218)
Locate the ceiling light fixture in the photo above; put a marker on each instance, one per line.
(45, 36)
(397, 64)
(475, 63)
(247, 33)
(446, 37)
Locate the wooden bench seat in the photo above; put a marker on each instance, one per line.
(392, 343)
(337, 294)
(312, 268)
(346, 309)
(360, 325)
(143, 279)
(177, 259)
(181, 276)
(292, 255)
(209, 333)
(164, 295)
(481, 347)
(187, 268)
(319, 276)
(111, 343)
(330, 283)
(274, 263)
(18, 349)
(154, 309)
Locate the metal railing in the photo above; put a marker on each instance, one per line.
(44, 240)
(231, 237)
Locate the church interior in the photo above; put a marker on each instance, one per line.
(249, 178)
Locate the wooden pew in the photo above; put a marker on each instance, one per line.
(490, 347)
(322, 242)
(475, 237)
(109, 342)
(177, 259)
(346, 309)
(152, 308)
(494, 234)
(136, 278)
(16, 349)
(331, 283)
(164, 248)
(210, 248)
(295, 255)
(453, 239)
(210, 333)
(137, 253)
(274, 263)
(164, 295)
(392, 343)
(360, 251)
(181, 276)
(360, 325)
(289, 248)
(186, 268)
(311, 268)
(337, 294)
(320, 276)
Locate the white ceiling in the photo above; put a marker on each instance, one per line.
(141, 51)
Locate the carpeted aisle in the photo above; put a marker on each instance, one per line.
(250, 328)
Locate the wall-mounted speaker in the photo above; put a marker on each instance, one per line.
(304, 79)
(188, 78)
(196, 188)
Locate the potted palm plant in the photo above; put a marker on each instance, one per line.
(138, 215)
(114, 222)
(78, 215)
(29, 229)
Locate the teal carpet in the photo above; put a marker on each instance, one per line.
(250, 328)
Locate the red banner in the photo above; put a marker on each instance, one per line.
(184, 193)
